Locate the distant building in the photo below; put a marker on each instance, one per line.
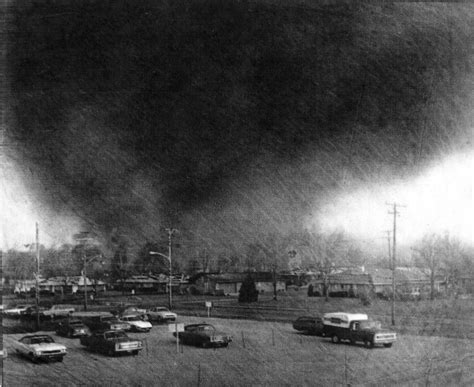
(230, 283)
(151, 283)
(410, 282)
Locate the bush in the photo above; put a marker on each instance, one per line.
(248, 291)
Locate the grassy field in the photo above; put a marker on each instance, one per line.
(262, 354)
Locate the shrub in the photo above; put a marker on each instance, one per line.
(248, 291)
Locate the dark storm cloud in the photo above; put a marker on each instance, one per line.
(140, 115)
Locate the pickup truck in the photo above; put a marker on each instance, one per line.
(58, 311)
(356, 327)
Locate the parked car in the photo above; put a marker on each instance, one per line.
(16, 311)
(59, 311)
(161, 314)
(129, 310)
(72, 328)
(203, 335)
(309, 324)
(137, 323)
(40, 347)
(105, 323)
(112, 343)
(356, 327)
(30, 312)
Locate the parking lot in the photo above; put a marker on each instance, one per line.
(261, 354)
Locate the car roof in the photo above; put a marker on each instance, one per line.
(34, 336)
(199, 325)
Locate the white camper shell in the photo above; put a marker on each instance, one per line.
(343, 320)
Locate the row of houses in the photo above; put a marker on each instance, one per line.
(344, 282)
(64, 285)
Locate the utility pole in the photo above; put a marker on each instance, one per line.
(84, 279)
(389, 249)
(170, 234)
(394, 250)
(170, 231)
(37, 277)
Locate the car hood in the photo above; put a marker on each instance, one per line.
(214, 334)
(47, 347)
(166, 314)
(122, 340)
(377, 330)
(140, 324)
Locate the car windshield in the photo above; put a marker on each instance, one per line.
(161, 310)
(114, 335)
(132, 318)
(207, 327)
(42, 339)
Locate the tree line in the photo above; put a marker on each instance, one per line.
(304, 251)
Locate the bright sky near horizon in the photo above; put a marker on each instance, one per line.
(438, 200)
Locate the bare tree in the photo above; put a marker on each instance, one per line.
(427, 256)
(451, 252)
(326, 252)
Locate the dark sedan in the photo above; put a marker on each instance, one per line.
(203, 335)
(72, 328)
(309, 324)
(112, 343)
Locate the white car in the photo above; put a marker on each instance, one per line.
(137, 324)
(16, 311)
(40, 347)
(161, 314)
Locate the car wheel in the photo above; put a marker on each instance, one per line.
(335, 339)
(135, 353)
(205, 344)
(110, 352)
(225, 345)
(60, 359)
(369, 343)
(69, 334)
(33, 358)
(388, 345)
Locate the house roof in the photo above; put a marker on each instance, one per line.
(235, 277)
(382, 276)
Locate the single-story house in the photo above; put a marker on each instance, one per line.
(409, 281)
(347, 284)
(152, 283)
(354, 282)
(230, 283)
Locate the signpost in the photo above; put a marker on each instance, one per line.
(176, 328)
(208, 306)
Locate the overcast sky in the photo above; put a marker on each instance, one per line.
(233, 121)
